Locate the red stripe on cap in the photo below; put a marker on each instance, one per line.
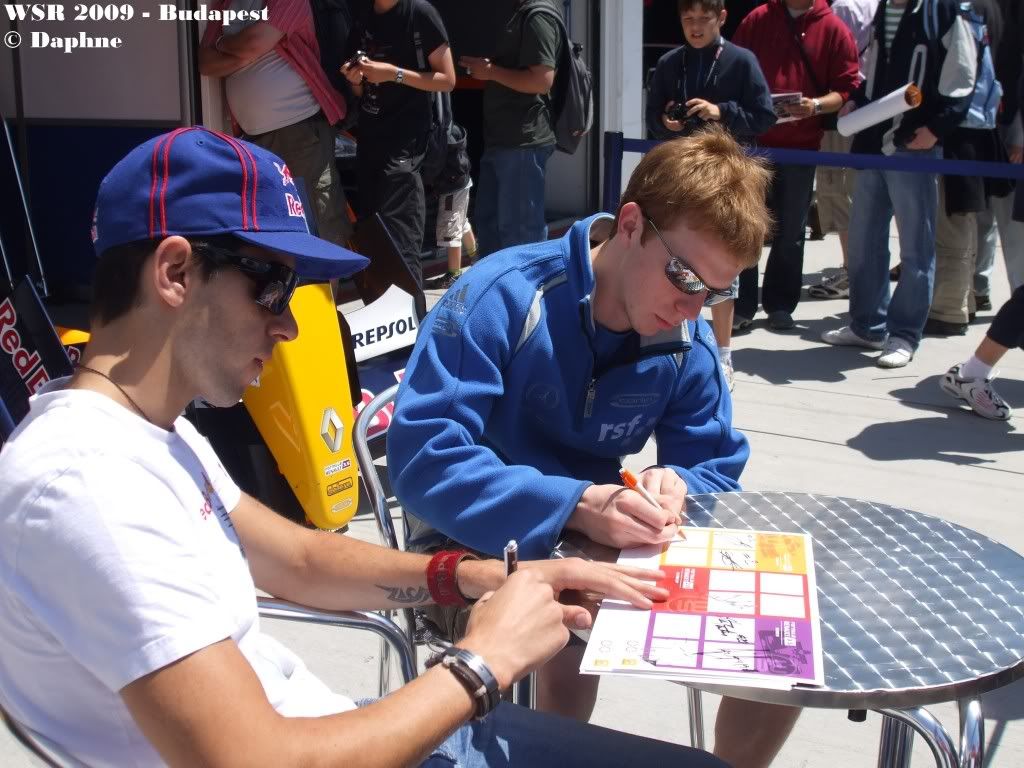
(245, 174)
(152, 187)
(166, 147)
(244, 152)
(255, 182)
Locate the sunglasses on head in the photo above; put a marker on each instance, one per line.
(686, 280)
(275, 283)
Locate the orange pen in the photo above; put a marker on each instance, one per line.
(629, 480)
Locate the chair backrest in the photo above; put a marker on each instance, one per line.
(371, 480)
(379, 503)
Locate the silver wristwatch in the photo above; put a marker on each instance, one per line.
(817, 106)
(399, 76)
(472, 671)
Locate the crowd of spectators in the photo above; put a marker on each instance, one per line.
(788, 68)
(827, 57)
(397, 58)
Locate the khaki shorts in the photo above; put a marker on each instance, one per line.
(452, 221)
(834, 186)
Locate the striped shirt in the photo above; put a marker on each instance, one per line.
(893, 14)
(298, 46)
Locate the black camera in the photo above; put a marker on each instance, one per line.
(676, 112)
(357, 58)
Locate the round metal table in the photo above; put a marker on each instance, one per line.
(914, 611)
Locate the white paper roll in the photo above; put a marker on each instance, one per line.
(886, 108)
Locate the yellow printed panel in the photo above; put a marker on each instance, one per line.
(781, 553)
(693, 550)
(303, 411)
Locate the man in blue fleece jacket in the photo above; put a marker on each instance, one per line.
(545, 364)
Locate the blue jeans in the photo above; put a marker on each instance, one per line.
(510, 197)
(516, 736)
(913, 198)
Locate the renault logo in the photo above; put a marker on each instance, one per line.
(331, 430)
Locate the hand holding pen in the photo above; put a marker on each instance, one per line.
(616, 516)
(630, 481)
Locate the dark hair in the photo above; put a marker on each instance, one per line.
(715, 6)
(115, 285)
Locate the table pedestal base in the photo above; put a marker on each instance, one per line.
(897, 740)
(898, 726)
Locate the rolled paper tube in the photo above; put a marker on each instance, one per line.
(896, 103)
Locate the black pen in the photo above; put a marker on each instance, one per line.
(511, 557)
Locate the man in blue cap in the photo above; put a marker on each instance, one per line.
(129, 632)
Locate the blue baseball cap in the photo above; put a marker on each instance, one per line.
(198, 182)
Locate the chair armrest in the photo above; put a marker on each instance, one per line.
(45, 752)
(386, 629)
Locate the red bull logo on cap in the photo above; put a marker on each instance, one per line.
(286, 175)
(294, 206)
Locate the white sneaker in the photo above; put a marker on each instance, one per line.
(977, 393)
(730, 376)
(896, 353)
(845, 337)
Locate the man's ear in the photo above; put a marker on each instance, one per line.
(630, 223)
(722, 17)
(172, 269)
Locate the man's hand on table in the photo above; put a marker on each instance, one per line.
(618, 517)
(520, 625)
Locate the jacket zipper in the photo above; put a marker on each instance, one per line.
(593, 375)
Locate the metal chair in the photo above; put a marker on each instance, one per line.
(523, 692)
(49, 754)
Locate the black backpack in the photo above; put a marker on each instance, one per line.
(572, 96)
(332, 20)
(443, 133)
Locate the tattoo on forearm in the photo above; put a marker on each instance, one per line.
(406, 595)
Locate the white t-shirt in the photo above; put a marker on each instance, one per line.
(266, 94)
(118, 557)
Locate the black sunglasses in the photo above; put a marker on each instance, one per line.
(275, 283)
(685, 279)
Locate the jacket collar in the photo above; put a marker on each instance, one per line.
(576, 244)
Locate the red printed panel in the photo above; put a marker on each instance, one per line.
(687, 589)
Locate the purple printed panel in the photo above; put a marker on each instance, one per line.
(784, 647)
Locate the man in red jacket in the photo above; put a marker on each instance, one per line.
(802, 48)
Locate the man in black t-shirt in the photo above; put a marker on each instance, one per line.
(406, 59)
(519, 134)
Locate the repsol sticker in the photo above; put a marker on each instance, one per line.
(384, 332)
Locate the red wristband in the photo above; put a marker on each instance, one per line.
(444, 588)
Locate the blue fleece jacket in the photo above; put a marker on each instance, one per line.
(514, 401)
